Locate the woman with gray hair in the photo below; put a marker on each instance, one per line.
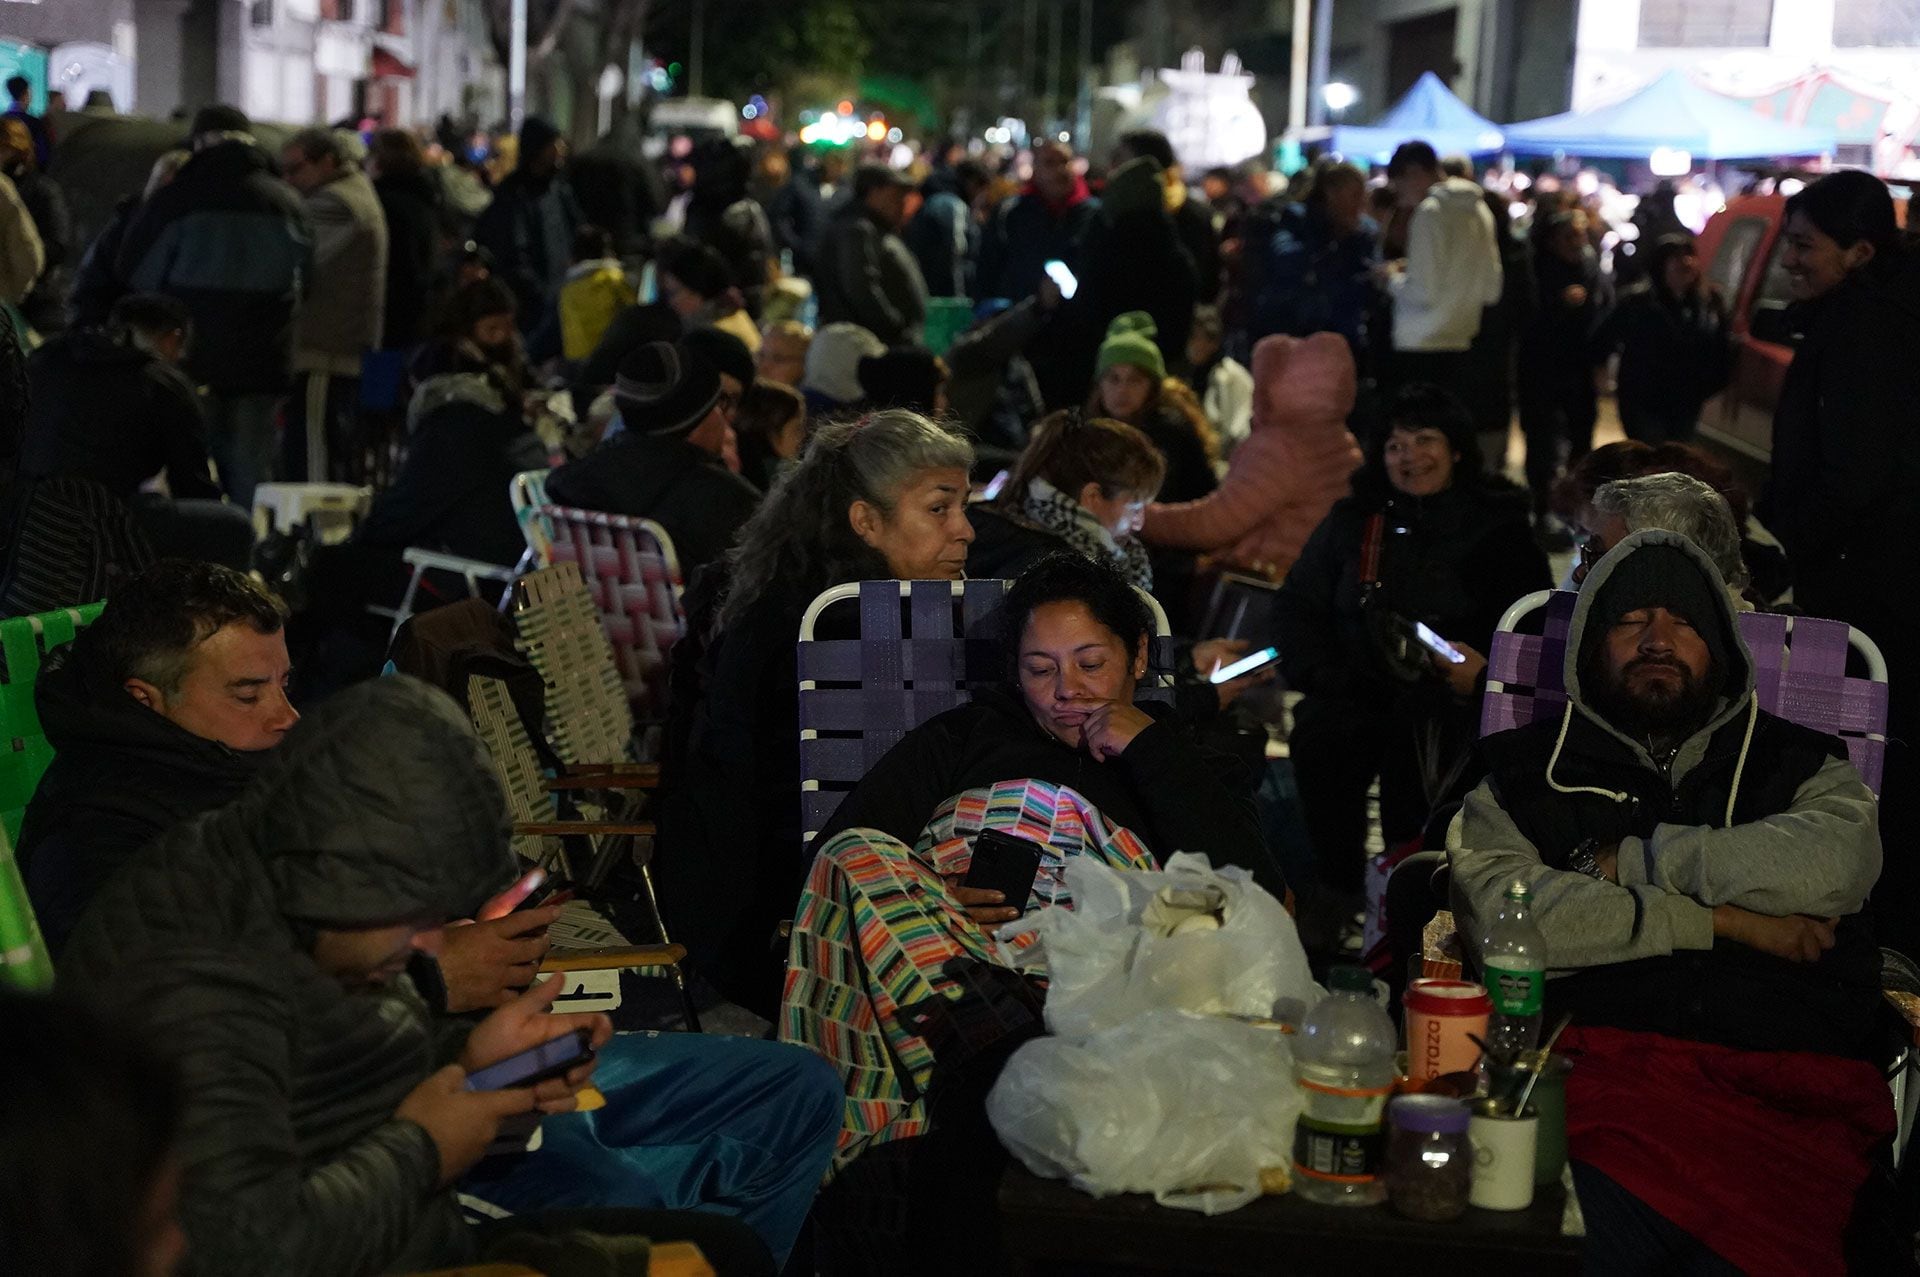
(1671, 502)
(883, 496)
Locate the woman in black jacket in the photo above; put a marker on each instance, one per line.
(1063, 760)
(1426, 539)
(881, 497)
(1846, 466)
(1670, 331)
(1558, 402)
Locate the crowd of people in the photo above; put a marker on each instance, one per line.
(285, 944)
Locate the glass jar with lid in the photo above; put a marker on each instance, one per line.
(1429, 1165)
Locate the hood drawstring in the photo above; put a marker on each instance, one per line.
(1739, 768)
(1566, 722)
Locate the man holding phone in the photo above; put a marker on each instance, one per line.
(262, 952)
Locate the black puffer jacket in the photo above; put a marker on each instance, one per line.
(685, 489)
(122, 776)
(411, 204)
(234, 243)
(1455, 561)
(379, 808)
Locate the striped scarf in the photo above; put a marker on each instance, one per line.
(1061, 515)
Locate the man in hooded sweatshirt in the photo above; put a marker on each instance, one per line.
(1698, 868)
(529, 230)
(262, 951)
(1451, 272)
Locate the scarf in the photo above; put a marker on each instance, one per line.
(1061, 515)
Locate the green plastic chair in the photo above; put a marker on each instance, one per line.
(24, 755)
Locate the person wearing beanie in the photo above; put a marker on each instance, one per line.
(235, 243)
(866, 274)
(906, 377)
(529, 229)
(1131, 385)
(1192, 219)
(1698, 868)
(832, 379)
(674, 459)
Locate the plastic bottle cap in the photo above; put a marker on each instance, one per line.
(1350, 979)
(1433, 1114)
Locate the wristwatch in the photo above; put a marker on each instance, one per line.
(1583, 860)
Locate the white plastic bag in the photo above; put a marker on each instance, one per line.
(1187, 938)
(1188, 1108)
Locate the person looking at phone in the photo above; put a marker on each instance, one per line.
(1426, 538)
(263, 949)
(1063, 758)
(165, 708)
(1698, 869)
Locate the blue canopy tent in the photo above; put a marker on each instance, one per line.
(1428, 112)
(1672, 113)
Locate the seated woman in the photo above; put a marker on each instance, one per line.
(1081, 484)
(884, 496)
(1426, 538)
(891, 977)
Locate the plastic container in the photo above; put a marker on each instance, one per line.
(1443, 1018)
(1429, 1166)
(1344, 1060)
(1513, 957)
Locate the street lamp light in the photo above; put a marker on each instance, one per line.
(1339, 95)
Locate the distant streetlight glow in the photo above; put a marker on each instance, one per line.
(1669, 161)
(1339, 96)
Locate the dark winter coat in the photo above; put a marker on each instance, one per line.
(121, 776)
(529, 230)
(1304, 279)
(412, 207)
(943, 238)
(866, 276)
(617, 190)
(45, 306)
(1556, 342)
(1189, 471)
(1025, 234)
(232, 241)
(468, 440)
(685, 489)
(108, 411)
(96, 286)
(1193, 226)
(1673, 356)
(1845, 487)
(1455, 561)
(1136, 263)
(379, 808)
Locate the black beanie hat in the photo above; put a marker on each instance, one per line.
(665, 390)
(725, 352)
(220, 118)
(1665, 576)
(536, 135)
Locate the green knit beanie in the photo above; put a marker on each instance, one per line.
(1130, 341)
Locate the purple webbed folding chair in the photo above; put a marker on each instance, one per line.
(1799, 673)
(922, 647)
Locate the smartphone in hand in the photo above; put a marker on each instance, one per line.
(1004, 864)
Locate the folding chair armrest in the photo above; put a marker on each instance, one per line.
(606, 776)
(1908, 1007)
(639, 955)
(421, 557)
(584, 828)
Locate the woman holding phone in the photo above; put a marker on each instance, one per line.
(1426, 539)
(887, 927)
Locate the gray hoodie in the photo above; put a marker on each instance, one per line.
(1821, 856)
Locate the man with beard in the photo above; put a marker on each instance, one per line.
(1698, 869)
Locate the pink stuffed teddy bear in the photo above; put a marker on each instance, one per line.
(1287, 473)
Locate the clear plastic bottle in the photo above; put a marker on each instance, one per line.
(1513, 957)
(1344, 1060)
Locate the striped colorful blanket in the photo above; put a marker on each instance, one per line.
(881, 950)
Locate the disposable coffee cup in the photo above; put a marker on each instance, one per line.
(1503, 1148)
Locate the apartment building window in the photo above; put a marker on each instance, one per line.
(260, 13)
(1711, 24)
(1867, 23)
